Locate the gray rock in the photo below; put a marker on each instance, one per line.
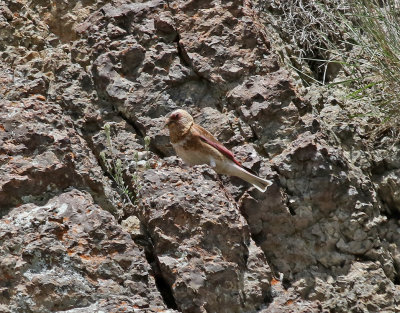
(70, 255)
(324, 237)
(201, 240)
(42, 154)
(132, 226)
(325, 227)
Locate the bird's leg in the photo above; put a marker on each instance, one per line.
(213, 165)
(219, 178)
(226, 192)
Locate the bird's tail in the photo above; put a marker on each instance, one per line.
(260, 183)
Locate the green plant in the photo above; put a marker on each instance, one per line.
(373, 65)
(362, 38)
(128, 185)
(379, 36)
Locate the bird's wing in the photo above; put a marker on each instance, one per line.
(206, 137)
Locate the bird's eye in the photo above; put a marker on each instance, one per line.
(176, 116)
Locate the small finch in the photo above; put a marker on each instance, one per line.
(196, 146)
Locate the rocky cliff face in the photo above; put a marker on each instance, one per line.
(324, 237)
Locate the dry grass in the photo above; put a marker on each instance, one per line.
(310, 28)
(374, 26)
(359, 39)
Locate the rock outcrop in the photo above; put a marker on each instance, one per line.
(324, 237)
(70, 254)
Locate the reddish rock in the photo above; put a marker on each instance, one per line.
(202, 242)
(319, 239)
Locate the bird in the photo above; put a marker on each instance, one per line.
(195, 146)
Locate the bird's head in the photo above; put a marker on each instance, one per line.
(179, 121)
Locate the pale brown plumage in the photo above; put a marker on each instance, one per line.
(196, 146)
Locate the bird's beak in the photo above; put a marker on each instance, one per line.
(167, 122)
(170, 120)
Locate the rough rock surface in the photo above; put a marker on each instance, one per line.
(202, 242)
(323, 238)
(71, 254)
(42, 154)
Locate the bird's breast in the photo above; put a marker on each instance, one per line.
(200, 156)
(189, 156)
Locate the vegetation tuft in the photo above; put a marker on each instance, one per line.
(358, 38)
(375, 27)
(128, 185)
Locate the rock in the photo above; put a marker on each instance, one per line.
(211, 46)
(388, 190)
(368, 280)
(71, 255)
(315, 203)
(42, 155)
(132, 226)
(177, 68)
(164, 23)
(320, 237)
(267, 104)
(201, 240)
(363, 287)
